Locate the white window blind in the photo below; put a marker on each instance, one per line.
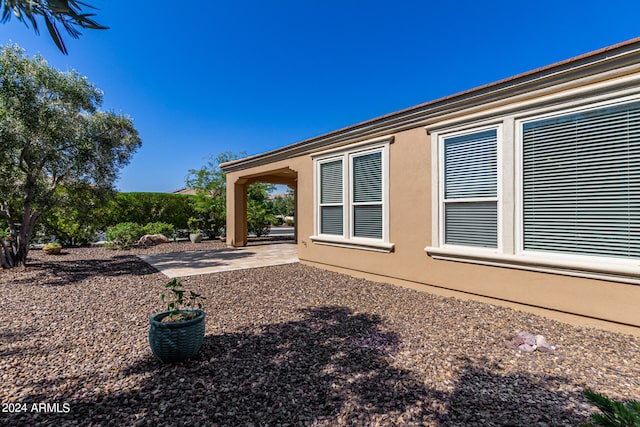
(367, 195)
(581, 183)
(473, 224)
(331, 198)
(352, 196)
(470, 189)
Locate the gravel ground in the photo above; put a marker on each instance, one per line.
(285, 345)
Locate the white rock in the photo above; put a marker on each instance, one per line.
(540, 340)
(528, 338)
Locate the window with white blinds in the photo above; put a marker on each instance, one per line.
(471, 189)
(331, 198)
(367, 195)
(581, 183)
(352, 197)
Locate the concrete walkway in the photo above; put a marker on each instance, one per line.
(180, 264)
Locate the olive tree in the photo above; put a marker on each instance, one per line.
(52, 133)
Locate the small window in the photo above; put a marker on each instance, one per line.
(470, 199)
(367, 195)
(331, 198)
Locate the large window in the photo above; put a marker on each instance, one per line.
(581, 183)
(555, 190)
(352, 197)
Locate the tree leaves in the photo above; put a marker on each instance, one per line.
(210, 183)
(65, 12)
(51, 133)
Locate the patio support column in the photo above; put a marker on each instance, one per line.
(236, 212)
(295, 210)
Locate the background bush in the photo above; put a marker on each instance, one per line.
(143, 208)
(82, 212)
(124, 235)
(159, 228)
(76, 217)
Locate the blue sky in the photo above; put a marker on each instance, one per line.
(256, 75)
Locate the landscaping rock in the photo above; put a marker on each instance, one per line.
(286, 345)
(529, 339)
(152, 239)
(528, 343)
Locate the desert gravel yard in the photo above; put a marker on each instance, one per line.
(285, 345)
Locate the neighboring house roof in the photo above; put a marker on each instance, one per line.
(185, 191)
(275, 196)
(603, 63)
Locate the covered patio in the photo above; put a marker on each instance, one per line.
(237, 233)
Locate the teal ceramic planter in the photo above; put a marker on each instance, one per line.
(176, 341)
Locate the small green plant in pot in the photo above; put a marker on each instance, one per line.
(52, 248)
(194, 230)
(177, 333)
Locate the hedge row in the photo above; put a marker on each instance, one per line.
(143, 208)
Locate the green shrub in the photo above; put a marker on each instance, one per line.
(276, 220)
(259, 218)
(159, 228)
(53, 248)
(77, 215)
(149, 207)
(195, 225)
(614, 413)
(124, 235)
(69, 230)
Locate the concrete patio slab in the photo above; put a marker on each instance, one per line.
(181, 264)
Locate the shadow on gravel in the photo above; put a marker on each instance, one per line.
(12, 341)
(333, 367)
(486, 398)
(67, 272)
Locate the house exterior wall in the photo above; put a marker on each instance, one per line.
(588, 297)
(411, 230)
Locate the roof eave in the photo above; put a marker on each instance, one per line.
(609, 59)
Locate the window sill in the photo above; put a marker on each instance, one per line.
(624, 272)
(353, 243)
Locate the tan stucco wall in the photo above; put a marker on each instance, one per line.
(411, 207)
(553, 295)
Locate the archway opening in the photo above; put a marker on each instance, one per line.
(237, 229)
